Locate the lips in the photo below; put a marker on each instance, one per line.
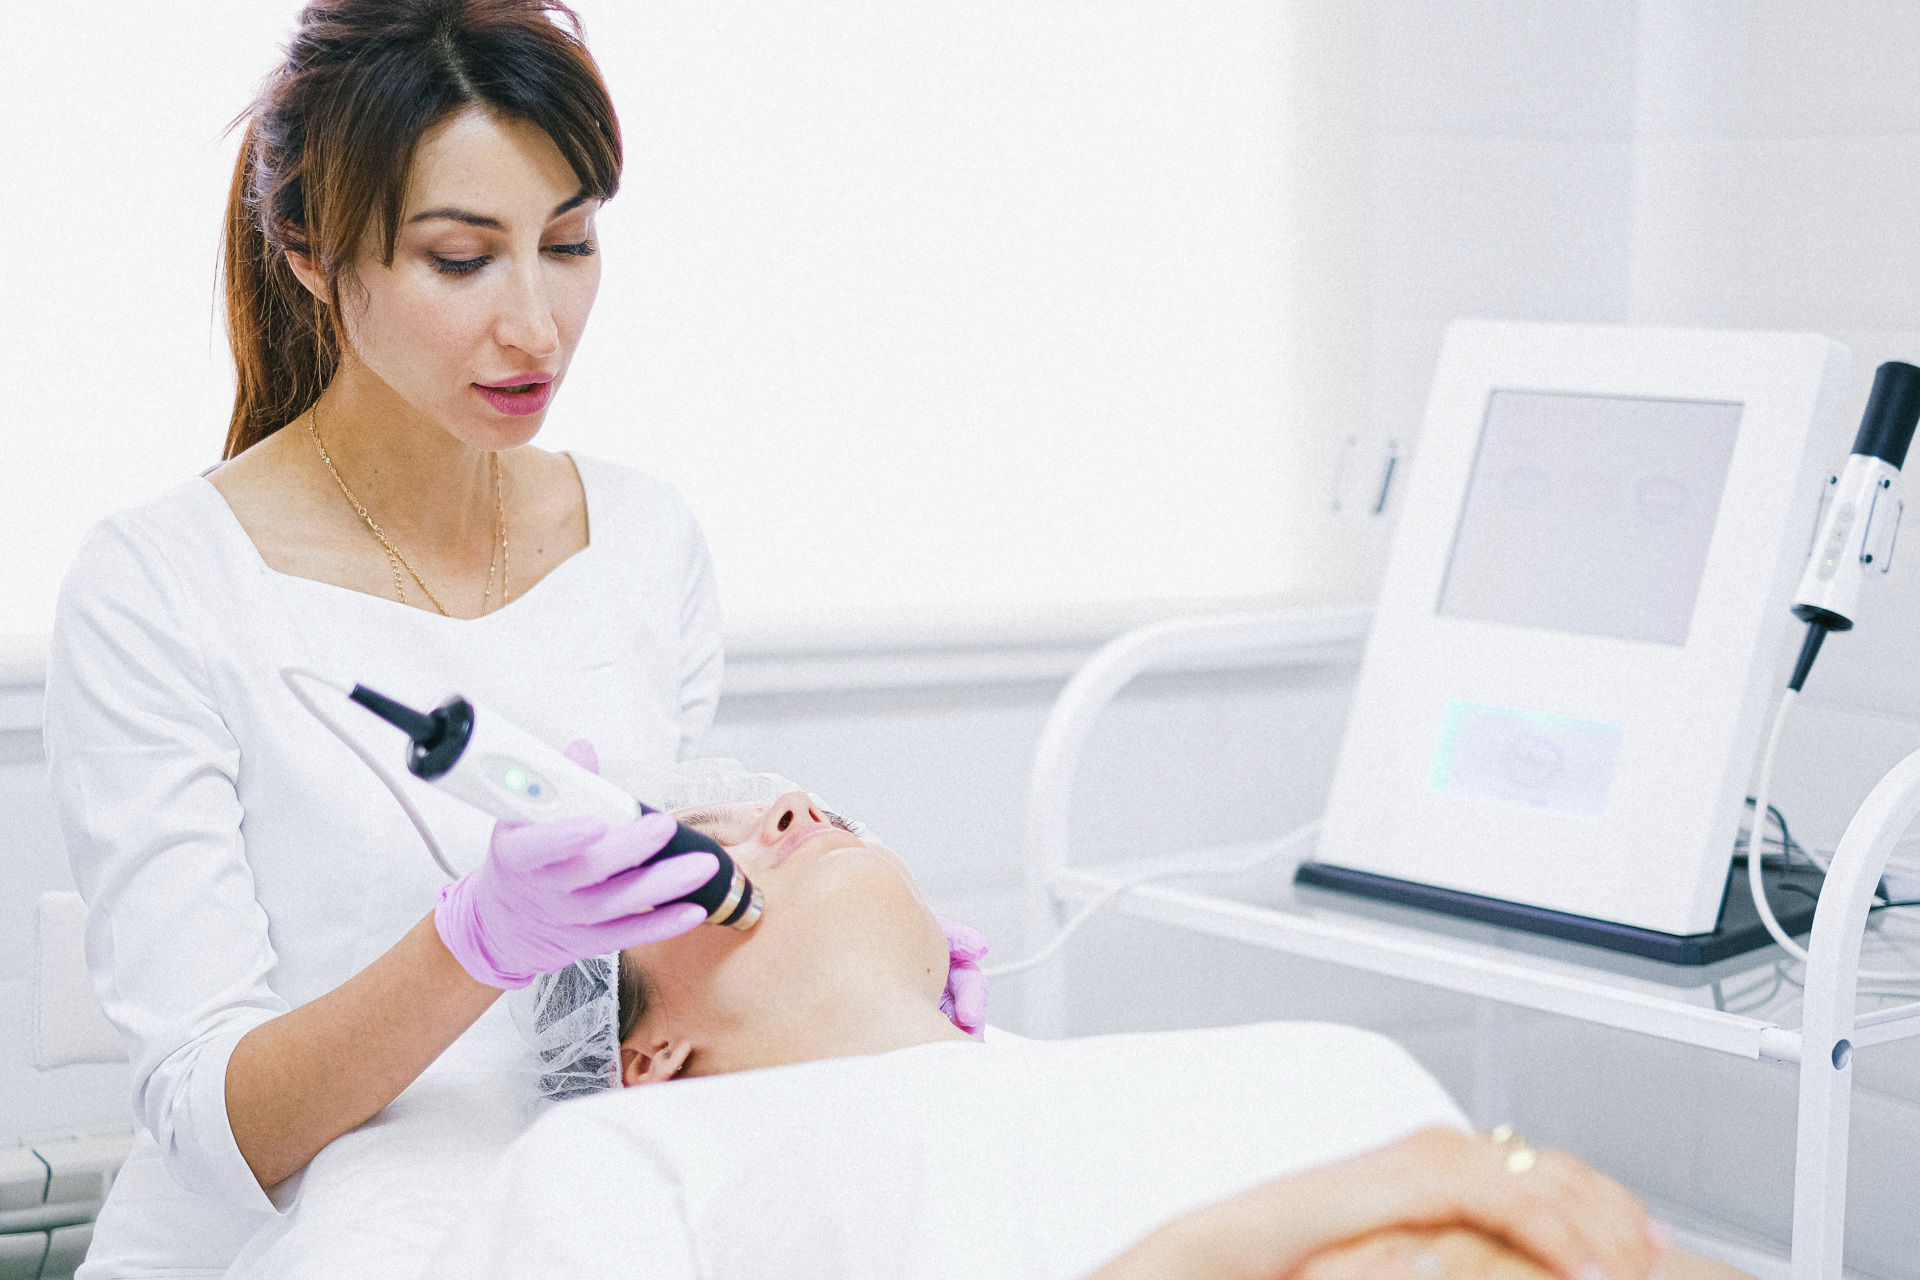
(519, 395)
(798, 837)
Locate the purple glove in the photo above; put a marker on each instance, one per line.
(965, 1002)
(551, 893)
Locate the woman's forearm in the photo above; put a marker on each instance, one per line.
(1258, 1235)
(298, 1082)
(1563, 1216)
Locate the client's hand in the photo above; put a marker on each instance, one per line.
(1451, 1253)
(1459, 1253)
(965, 1002)
(550, 893)
(1563, 1216)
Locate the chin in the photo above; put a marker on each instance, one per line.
(496, 432)
(863, 872)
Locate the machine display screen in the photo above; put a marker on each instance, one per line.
(1591, 514)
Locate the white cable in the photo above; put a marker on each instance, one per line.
(1111, 892)
(293, 676)
(1757, 887)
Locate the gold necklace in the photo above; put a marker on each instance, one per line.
(396, 561)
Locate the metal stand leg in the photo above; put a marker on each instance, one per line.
(1046, 1006)
(1827, 1025)
(1492, 1058)
(1820, 1160)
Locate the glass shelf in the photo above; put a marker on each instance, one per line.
(1738, 1005)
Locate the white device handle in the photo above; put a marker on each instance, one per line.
(507, 772)
(1857, 529)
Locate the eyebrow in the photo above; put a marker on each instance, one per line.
(451, 213)
(699, 817)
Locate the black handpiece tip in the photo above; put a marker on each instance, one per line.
(1886, 429)
(404, 718)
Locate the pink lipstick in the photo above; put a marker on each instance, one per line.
(519, 395)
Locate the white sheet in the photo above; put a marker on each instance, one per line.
(1032, 1159)
(377, 1200)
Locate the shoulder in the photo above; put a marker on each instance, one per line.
(628, 504)
(154, 544)
(627, 487)
(135, 603)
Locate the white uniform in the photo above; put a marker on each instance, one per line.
(237, 860)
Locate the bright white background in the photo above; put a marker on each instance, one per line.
(886, 225)
(923, 306)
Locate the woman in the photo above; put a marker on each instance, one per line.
(411, 260)
(819, 1061)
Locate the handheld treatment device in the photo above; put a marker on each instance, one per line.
(1860, 513)
(502, 770)
(1853, 543)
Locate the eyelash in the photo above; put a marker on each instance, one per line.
(467, 266)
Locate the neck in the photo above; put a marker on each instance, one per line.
(419, 482)
(850, 1020)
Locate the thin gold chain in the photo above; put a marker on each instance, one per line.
(395, 560)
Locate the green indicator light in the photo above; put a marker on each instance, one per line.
(515, 779)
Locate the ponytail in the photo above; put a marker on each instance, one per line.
(284, 350)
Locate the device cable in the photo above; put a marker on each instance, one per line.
(1107, 895)
(1755, 885)
(295, 678)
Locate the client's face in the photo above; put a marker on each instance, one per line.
(844, 930)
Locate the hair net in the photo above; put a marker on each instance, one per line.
(572, 1021)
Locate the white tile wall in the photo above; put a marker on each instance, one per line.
(1778, 232)
(1507, 68)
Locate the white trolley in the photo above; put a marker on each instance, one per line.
(1499, 966)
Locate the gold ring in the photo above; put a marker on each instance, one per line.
(1520, 1157)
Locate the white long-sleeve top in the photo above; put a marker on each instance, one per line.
(237, 860)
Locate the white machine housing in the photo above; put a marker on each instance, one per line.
(1571, 659)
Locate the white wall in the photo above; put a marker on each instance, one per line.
(110, 213)
(922, 305)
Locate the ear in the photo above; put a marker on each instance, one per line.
(650, 1060)
(308, 273)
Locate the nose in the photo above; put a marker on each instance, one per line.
(795, 808)
(526, 320)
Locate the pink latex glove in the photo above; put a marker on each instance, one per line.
(965, 1001)
(550, 893)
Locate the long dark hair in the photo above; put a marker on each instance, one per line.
(323, 165)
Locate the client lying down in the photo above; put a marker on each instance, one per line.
(826, 1119)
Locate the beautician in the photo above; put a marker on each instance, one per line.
(410, 259)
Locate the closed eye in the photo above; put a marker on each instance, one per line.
(578, 249)
(459, 266)
(730, 824)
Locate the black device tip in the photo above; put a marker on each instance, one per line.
(420, 728)
(1886, 429)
